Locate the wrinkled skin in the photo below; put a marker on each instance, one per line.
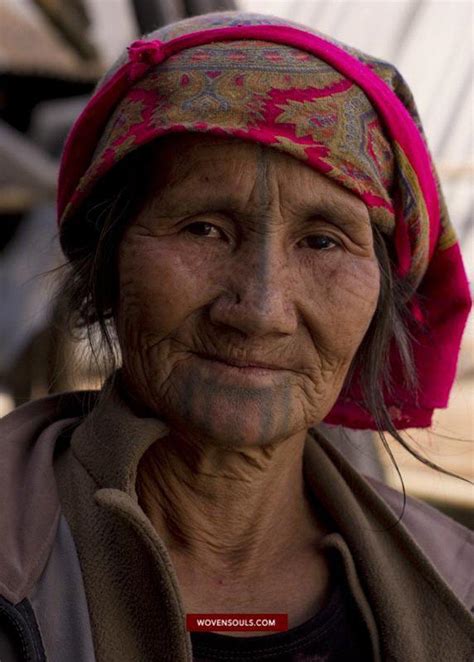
(201, 272)
(243, 252)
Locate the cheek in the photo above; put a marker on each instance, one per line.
(344, 295)
(159, 289)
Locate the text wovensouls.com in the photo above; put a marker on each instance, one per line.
(235, 622)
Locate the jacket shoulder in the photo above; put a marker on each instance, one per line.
(37, 414)
(39, 572)
(28, 442)
(448, 544)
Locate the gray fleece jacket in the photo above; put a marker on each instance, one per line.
(84, 575)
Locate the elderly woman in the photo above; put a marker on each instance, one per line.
(249, 209)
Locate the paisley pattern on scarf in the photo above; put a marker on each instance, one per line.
(264, 92)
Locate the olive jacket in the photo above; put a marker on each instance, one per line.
(84, 576)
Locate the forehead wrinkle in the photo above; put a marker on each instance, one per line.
(191, 169)
(345, 212)
(331, 202)
(320, 197)
(200, 195)
(175, 156)
(225, 179)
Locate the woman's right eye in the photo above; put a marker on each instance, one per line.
(203, 229)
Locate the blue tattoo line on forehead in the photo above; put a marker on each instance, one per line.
(265, 200)
(261, 179)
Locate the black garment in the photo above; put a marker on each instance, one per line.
(20, 638)
(335, 634)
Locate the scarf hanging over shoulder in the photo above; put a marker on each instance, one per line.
(345, 114)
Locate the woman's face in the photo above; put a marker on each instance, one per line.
(242, 253)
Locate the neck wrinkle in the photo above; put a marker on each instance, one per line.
(225, 517)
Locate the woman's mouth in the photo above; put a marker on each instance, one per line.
(251, 368)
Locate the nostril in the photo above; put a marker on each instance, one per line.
(253, 313)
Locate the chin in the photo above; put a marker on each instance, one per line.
(238, 427)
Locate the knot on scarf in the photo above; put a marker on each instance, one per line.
(143, 55)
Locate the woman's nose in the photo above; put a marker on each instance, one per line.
(258, 297)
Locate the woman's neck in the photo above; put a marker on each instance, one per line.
(231, 512)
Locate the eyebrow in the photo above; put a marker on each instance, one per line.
(334, 210)
(342, 210)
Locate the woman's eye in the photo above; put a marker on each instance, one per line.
(203, 229)
(320, 242)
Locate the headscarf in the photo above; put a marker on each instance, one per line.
(343, 113)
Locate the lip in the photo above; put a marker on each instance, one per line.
(243, 365)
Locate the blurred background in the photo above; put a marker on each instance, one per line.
(52, 53)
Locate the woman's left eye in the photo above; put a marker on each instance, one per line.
(203, 229)
(320, 242)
